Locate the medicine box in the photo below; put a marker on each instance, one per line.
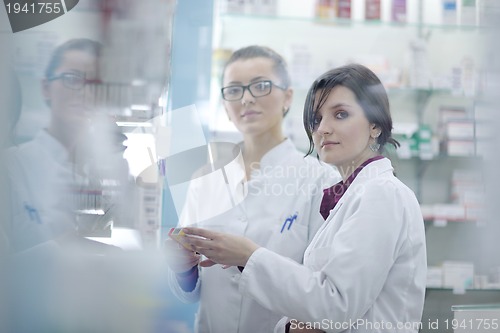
(458, 275)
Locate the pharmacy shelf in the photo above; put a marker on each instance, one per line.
(349, 22)
(466, 290)
(477, 307)
(437, 158)
(440, 223)
(415, 90)
(430, 91)
(446, 225)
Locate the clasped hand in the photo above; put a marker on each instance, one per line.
(220, 248)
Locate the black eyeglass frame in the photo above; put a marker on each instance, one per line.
(64, 75)
(247, 87)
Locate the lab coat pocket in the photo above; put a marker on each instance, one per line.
(318, 258)
(290, 242)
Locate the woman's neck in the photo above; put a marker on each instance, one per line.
(348, 169)
(62, 135)
(68, 134)
(255, 147)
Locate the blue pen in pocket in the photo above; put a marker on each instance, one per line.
(32, 213)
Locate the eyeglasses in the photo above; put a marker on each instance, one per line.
(256, 89)
(73, 81)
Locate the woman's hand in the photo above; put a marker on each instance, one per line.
(179, 259)
(220, 248)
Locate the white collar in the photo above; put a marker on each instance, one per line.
(54, 148)
(276, 154)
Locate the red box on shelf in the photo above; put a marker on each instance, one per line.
(372, 9)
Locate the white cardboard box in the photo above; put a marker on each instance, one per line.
(458, 275)
(434, 277)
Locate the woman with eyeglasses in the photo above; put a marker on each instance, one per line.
(281, 209)
(48, 171)
(365, 269)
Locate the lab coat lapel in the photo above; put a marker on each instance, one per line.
(372, 170)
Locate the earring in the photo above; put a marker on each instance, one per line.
(375, 146)
(285, 110)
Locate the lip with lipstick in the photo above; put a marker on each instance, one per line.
(249, 113)
(326, 144)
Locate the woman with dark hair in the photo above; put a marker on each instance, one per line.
(280, 210)
(365, 269)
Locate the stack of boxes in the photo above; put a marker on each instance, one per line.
(467, 196)
(467, 189)
(456, 275)
(416, 141)
(460, 276)
(456, 131)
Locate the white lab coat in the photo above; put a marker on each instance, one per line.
(367, 262)
(40, 174)
(287, 185)
(45, 182)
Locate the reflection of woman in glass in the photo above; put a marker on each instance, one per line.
(278, 212)
(41, 169)
(367, 263)
(47, 170)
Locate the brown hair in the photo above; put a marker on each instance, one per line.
(256, 51)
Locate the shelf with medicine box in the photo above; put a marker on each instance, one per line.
(402, 55)
(405, 57)
(449, 13)
(439, 142)
(460, 256)
(349, 22)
